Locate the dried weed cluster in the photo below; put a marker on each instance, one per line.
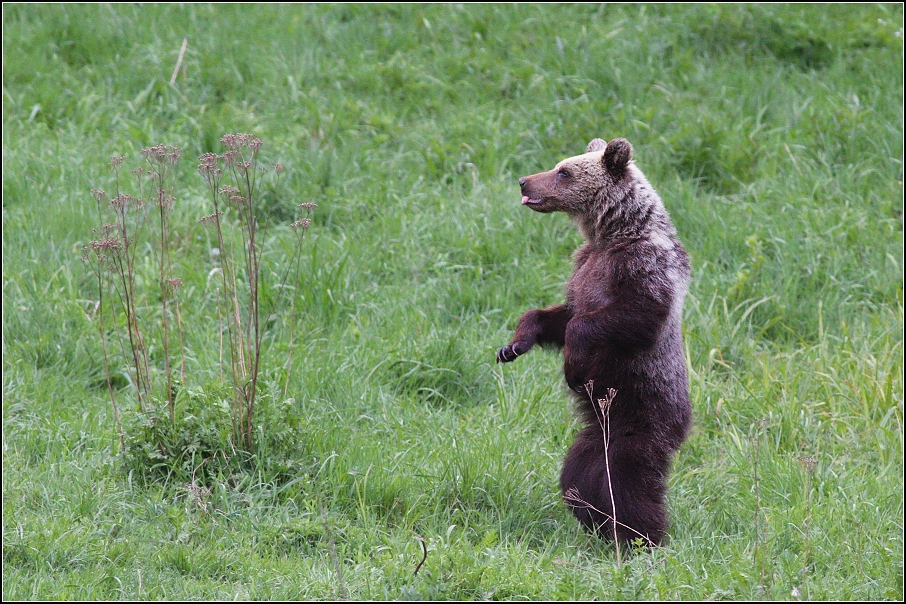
(234, 181)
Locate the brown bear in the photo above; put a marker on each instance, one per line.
(620, 329)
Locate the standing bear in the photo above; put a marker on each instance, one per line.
(620, 330)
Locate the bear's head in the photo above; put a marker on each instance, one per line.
(578, 184)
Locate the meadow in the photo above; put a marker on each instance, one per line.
(394, 459)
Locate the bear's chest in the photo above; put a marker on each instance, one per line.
(588, 289)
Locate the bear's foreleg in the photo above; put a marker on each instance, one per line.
(547, 326)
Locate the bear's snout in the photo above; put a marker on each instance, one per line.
(529, 197)
(536, 192)
(531, 186)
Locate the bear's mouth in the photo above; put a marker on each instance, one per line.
(526, 201)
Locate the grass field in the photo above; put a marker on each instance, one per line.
(774, 135)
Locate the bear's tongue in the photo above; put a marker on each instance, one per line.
(525, 200)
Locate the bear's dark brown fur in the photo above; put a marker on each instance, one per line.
(620, 328)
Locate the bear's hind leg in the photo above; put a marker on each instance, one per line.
(637, 484)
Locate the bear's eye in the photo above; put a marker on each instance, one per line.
(563, 173)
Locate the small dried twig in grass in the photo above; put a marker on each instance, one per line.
(424, 554)
(182, 53)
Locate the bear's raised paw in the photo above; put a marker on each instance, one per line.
(511, 351)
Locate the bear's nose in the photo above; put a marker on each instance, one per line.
(522, 182)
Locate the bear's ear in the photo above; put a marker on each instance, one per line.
(617, 155)
(596, 145)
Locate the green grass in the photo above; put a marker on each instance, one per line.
(775, 136)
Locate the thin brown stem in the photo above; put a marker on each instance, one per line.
(164, 294)
(229, 297)
(605, 411)
(289, 359)
(116, 409)
(602, 413)
(141, 380)
(220, 332)
(182, 341)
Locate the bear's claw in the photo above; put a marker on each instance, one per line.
(508, 353)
